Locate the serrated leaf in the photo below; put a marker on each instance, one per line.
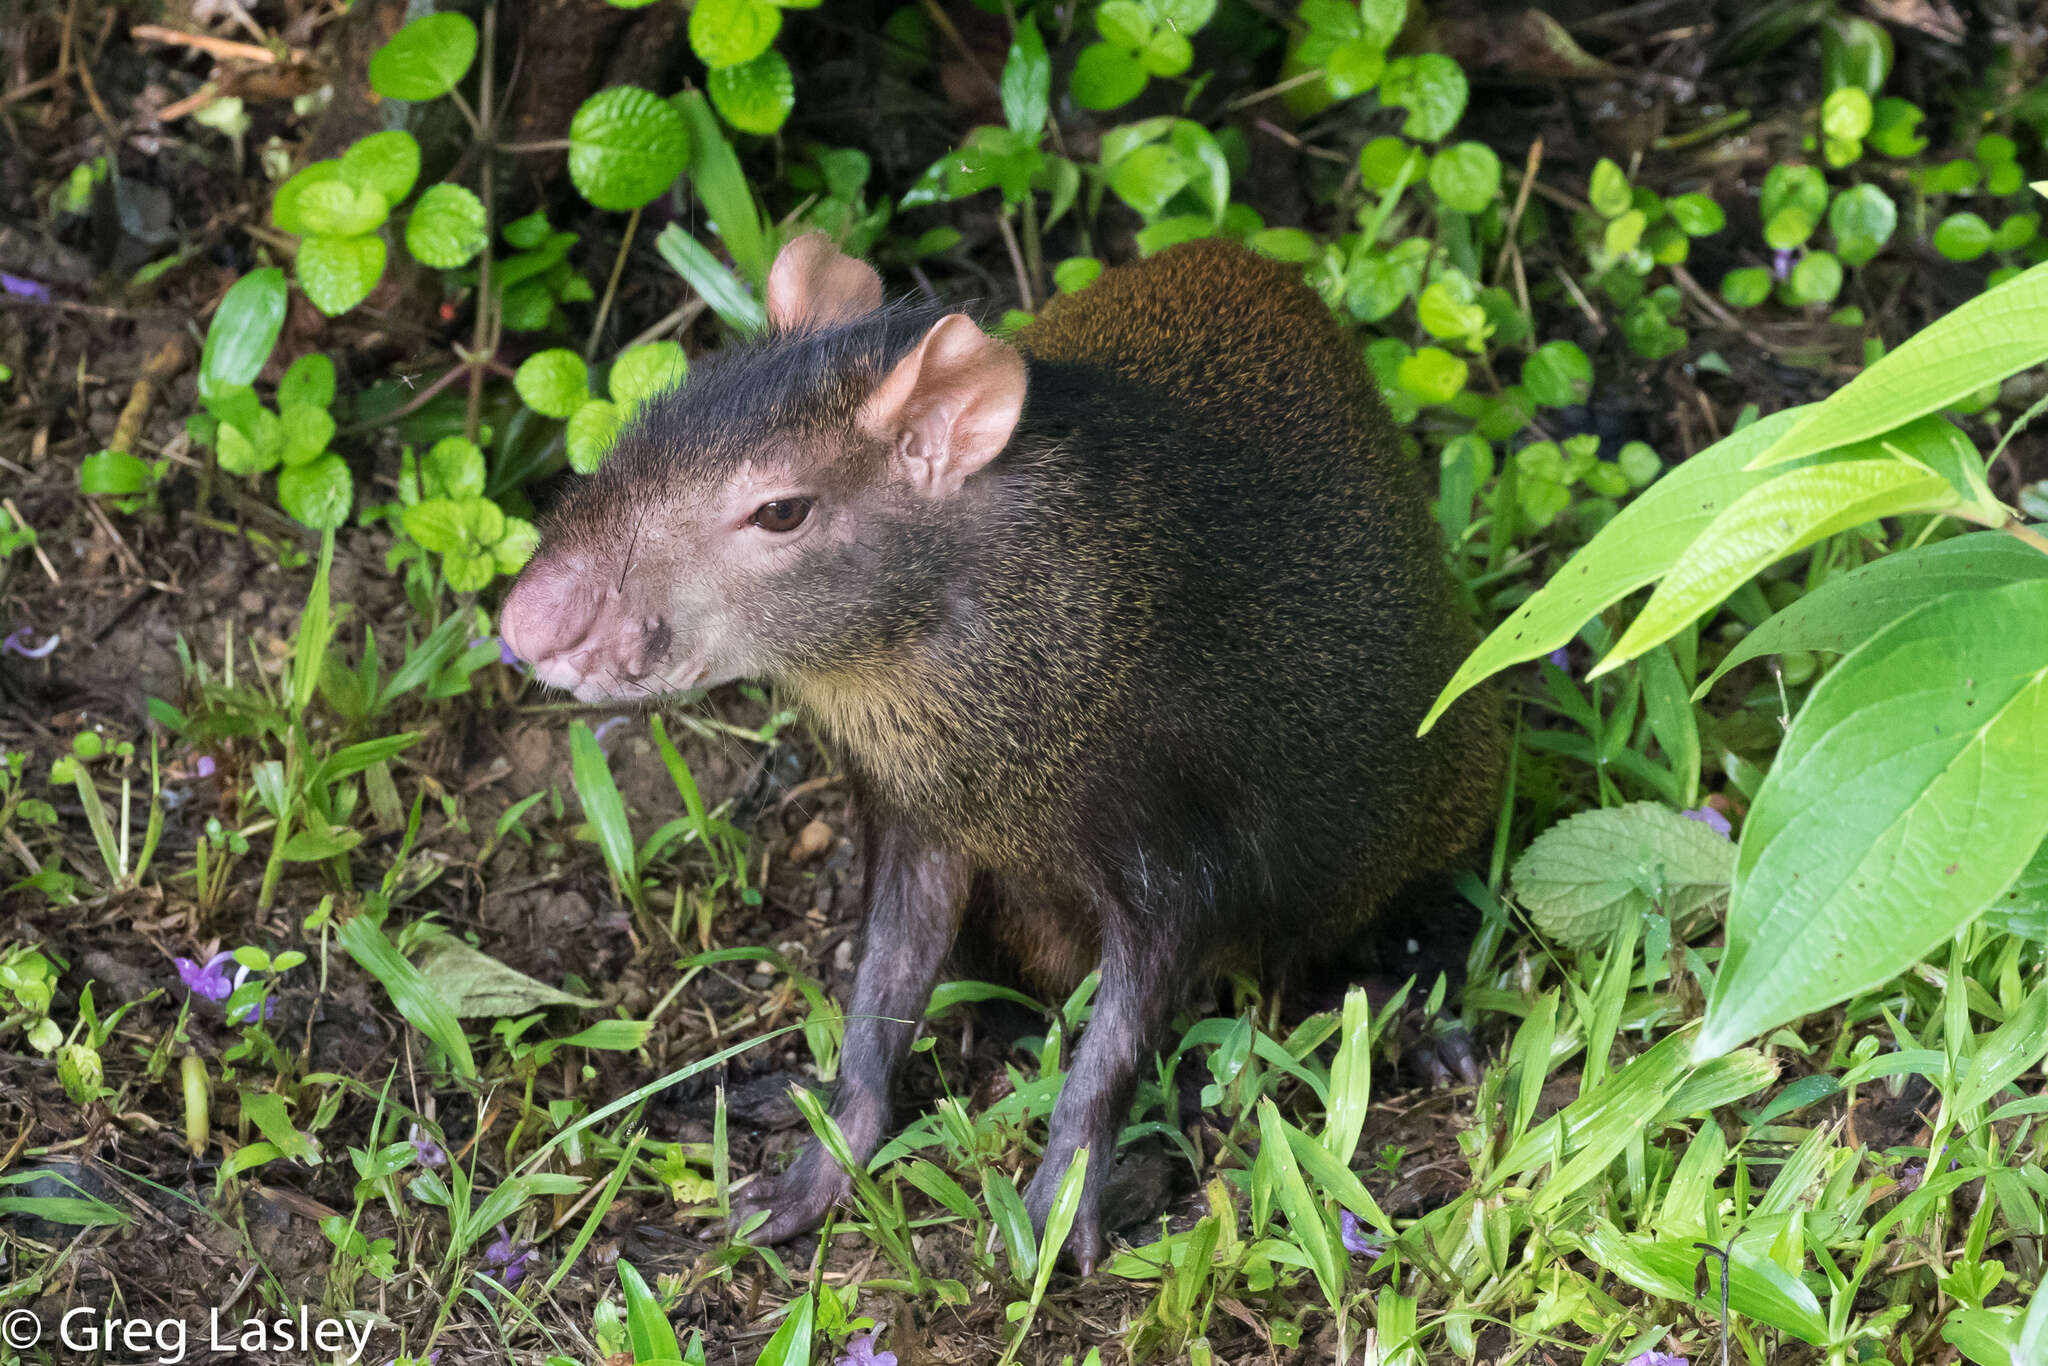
(626, 145)
(243, 331)
(554, 383)
(436, 523)
(1850, 608)
(239, 454)
(1584, 876)
(337, 208)
(1431, 87)
(592, 430)
(338, 273)
(425, 59)
(318, 493)
(641, 372)
(1911, 789)
(1768, 523)
(754, 96)
(452, 468)
(728, 32)
(387, 162)
(447, 227)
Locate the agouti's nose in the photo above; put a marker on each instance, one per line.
(546, 613)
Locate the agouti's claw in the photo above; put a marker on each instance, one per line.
(797, 1201)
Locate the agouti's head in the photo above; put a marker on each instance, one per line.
(788, 512)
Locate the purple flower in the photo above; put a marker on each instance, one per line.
(425, 1149)
(1709, 817)
(1356, 1239)
(507, 1257)
(27, 289)
(18, 643)
(602, 731)
(1781, 263)
(1656, 1359)
(1560, 659)
(204, 768)
(860, 1351)
(505, 655)
(211, 980)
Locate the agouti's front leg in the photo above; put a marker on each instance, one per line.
(914, 898)
(1131, 1007)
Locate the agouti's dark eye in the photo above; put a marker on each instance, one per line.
(782, 515)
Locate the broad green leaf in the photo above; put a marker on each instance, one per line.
(1758, 1288)
(1608, 191)
(243, 455)
(265, 1110)
(1999, 333)
(1963, 236)
(477, 986)
(1305, 1217)
(1644, 539)
(755, 96)
(1850, 608)
(1465, 176)
(307, 430)
(339, 208)
(1027, 81)
(1558, 374)
(1696, 214)
(338, 273)
(243, 331)
(408, 990)
(309, 383)
(436, 524)
(1910, 791)
(1862, 219)
(452, 468)
(641, 372)
(728, 32)
(1582, 877)
(447, 227)
(648, 1331)
(1431, 87)
(712, 279)
(1769, 522)
(1149, 177)
(626, 145)
(1106, 77)
(1355, 66)
(791, 1345)
(715, 173)
(554, 383)
(425, 59)
(387, 162)
(115, 472)
(318, 493)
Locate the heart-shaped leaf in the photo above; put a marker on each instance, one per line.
(447, 228)
(317, 493)
(338, 273)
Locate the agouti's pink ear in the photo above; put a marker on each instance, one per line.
(814, 284)
(948, 407)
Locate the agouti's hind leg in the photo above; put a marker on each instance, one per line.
(914, 898)
(1141, 968)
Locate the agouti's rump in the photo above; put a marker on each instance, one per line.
(1122, 634)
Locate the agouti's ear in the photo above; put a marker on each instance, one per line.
(814, 284)
(948, 407)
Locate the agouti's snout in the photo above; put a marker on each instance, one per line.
(592, 644)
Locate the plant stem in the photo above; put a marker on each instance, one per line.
(611, 286)
(481, 349)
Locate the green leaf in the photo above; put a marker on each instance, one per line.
(1634, 549)
(712, 279)
(1862, 219)
(791, 1345)
(307, 430)
(1149, 177)
(1911, 789)
(477, 986)
(1431, 87)
(1433, 375)
(1769, 522)
(338, 208)
(387, 162)
(1817, 279)
(1027, 81)
(554, 383)
(603, 807)
(728, 32)
(467, 570)
(641, 372)
(592, 430)
(1850, 608)
(436, 523)
(1609, 191)
(627, 145)
(715, 172)
(1123, 24)
(113, 472)
(447, 227)
(1465, 176)
(1106, 77)
(265, 1110)
(1583, 877)
(1846, 114)
(1999, 333)
(409, 992)
(338, 273)
(1355, 66)
(516, 546)
(452, 468)
(240, 455)
(1746, 286)
(1696, 215)
(243, 331)
(1963, 237)
(1558, 374)
(1893, 127)
(425, 59)
(754, 96)
(309, 383)
(1789, 185)
(318, 493)
(648, 1331)
(1305, 1217)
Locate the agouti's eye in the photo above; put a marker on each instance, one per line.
(782, 515)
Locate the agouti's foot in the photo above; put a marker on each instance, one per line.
(1084, 1239)
(797, 1201)
(1441, 1056)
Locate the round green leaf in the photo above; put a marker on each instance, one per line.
(1963, 237)
(1167, 54)
(2018, 230)
(425, 59)
(1639, 463)
(1149, 177)
(1106, 77)
(387, 162)
(1076, 273)
(308, 384)
(554, 383)
(243, 331)
(114, 472)
(1862, 219)
(284, 205)
(1696, 214)
(1354, 67)
(592, 430)
(338, 273)
(1894, 125)
(1123, 24)
(1817, 279)
(1791, 186)
(437, 524)
(1557, 374)
(453, 468)
(1609, 191)
(728, 32)
(513, 549)
(1846, 114)
(1911, 789)
(317, 493)
(626, 145)
(1465, 176)
(1746, 287)
(240, 455)
(641, 372)
(754, 96)
(1433, 375)
(447, 227)
(1788, 228)
(1431, 87)
(307, 430)
(1387, 161)
(337, 208)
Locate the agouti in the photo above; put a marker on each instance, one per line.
(1122, 631)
